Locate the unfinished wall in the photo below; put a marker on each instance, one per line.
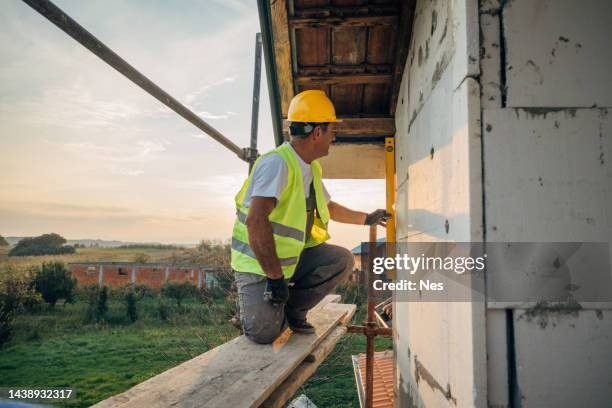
(504, 134)
(440, 347)
(547, 140)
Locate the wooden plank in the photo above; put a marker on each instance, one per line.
(303, 372)
(237, 374)
(376, 98)
(347, 98)
(282, 53)
(360, 126)
(337, 22)
(404, 32)
(344, 79)
(311, 46)
(349, 45)
(348, 308)
(381, 44)
(333, 298)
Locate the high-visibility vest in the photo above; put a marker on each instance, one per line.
(288, 219)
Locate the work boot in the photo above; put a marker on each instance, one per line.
(300, 326)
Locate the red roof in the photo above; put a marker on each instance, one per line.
(383, 378)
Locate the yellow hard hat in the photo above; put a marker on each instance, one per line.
(312, 106)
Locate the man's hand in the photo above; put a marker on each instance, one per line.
(277, 292)
(378, 217)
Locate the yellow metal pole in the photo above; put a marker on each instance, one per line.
(390, 182)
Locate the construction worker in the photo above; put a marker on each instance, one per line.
(282, 265)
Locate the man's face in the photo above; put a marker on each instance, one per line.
(324, 137)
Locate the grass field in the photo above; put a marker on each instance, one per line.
(56, 348)
(94, 255)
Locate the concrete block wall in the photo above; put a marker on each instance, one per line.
(545, 94)
(504, 134)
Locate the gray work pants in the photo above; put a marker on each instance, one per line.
(317, 273)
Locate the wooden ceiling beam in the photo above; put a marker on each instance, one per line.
(359, 127)
(282, 53)
(343, 79)
(342, 22)
(348, 11)
(345, 69)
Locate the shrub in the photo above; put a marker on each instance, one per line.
(133, 294)
(47, 244)
(54, 281)
(3, 242)
(15, 293)
(352, 292)
(162, 309)
(178, 291)
(102, 304)
(97, 303)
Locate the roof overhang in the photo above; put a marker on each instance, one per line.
(353, 50)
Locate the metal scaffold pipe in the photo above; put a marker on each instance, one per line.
(54, 14)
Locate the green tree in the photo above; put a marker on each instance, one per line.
(3, 241)
(46, 244)
(178, 291)
(54, 282)
(133, 294)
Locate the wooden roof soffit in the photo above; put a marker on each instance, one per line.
(356, 54)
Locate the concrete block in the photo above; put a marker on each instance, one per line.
(558, 53)
(548, 175)
(563, 359)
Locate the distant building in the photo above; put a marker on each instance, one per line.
(153, 275)
(359, 268)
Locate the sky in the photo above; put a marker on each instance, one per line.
(87, 154)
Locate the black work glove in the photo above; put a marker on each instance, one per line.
(378, 217)
(276, 292)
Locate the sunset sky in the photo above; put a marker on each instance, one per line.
(87, 154)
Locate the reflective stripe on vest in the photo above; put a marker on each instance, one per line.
(278, 229)
(245, 248)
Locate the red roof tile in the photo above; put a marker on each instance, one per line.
(383, 378)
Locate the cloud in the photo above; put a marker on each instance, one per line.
(202, 90)
(208, 115)
(127, 172)
(144, 150)
(73, 106)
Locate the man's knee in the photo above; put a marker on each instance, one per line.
(349, 262)
(264, 334)
(262, 331)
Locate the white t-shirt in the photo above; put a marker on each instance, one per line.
(270, 178)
